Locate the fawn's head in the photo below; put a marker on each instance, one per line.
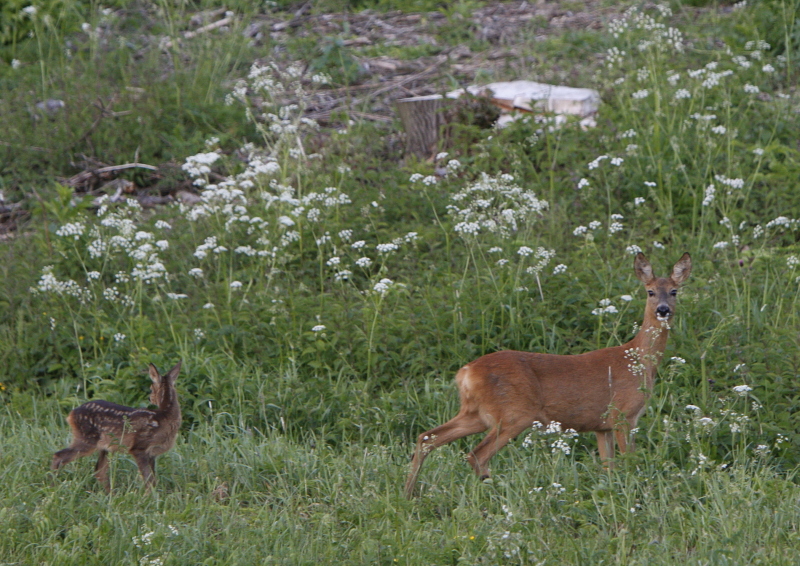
(662, 291)
(162, 384)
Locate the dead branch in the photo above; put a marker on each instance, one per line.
(84, 176)
(210, 27)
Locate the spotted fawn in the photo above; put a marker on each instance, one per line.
(107, 427)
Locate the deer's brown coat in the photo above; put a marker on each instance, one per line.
(603, 391)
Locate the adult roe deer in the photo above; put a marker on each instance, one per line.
(603, 391)
(105, 427)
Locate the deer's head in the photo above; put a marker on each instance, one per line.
(162, 384)
(662, 291)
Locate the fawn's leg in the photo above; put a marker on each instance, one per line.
(67, 455)
(101, 470)
(145, 463)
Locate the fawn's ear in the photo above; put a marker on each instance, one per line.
(643, 269)
(682, 269)
(154, 375)
(172, 374)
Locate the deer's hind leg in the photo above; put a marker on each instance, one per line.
(492, 442)
(459, 426)
(67, 455)
(101, 470)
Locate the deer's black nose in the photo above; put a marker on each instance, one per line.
(662, 311)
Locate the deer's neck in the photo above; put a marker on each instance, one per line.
(647, 348)
(169, 402)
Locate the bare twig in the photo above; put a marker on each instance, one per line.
(406, 80)
(84, 176)
(210, 27)
(27, 147)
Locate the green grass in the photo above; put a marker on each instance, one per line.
(308, 370)
(235, 495)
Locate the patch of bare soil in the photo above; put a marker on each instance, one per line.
(503, 27)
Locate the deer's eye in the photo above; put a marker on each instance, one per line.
(651, 293)
(673, 292)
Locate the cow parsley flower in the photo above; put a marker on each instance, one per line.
(387, 248)
(382, 286)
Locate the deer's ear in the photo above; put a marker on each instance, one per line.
(154, 375)
(172, 374)
(642, 268)
(682, 269)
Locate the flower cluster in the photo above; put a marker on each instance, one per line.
(605, 307)
(560, 438)
(496, 205)
(649, 32)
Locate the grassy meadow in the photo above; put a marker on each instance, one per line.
(323, 287)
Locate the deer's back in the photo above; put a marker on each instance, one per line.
(109, 425)
(576, 391)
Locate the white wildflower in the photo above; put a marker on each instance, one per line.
(382, 286)
(387, 248)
